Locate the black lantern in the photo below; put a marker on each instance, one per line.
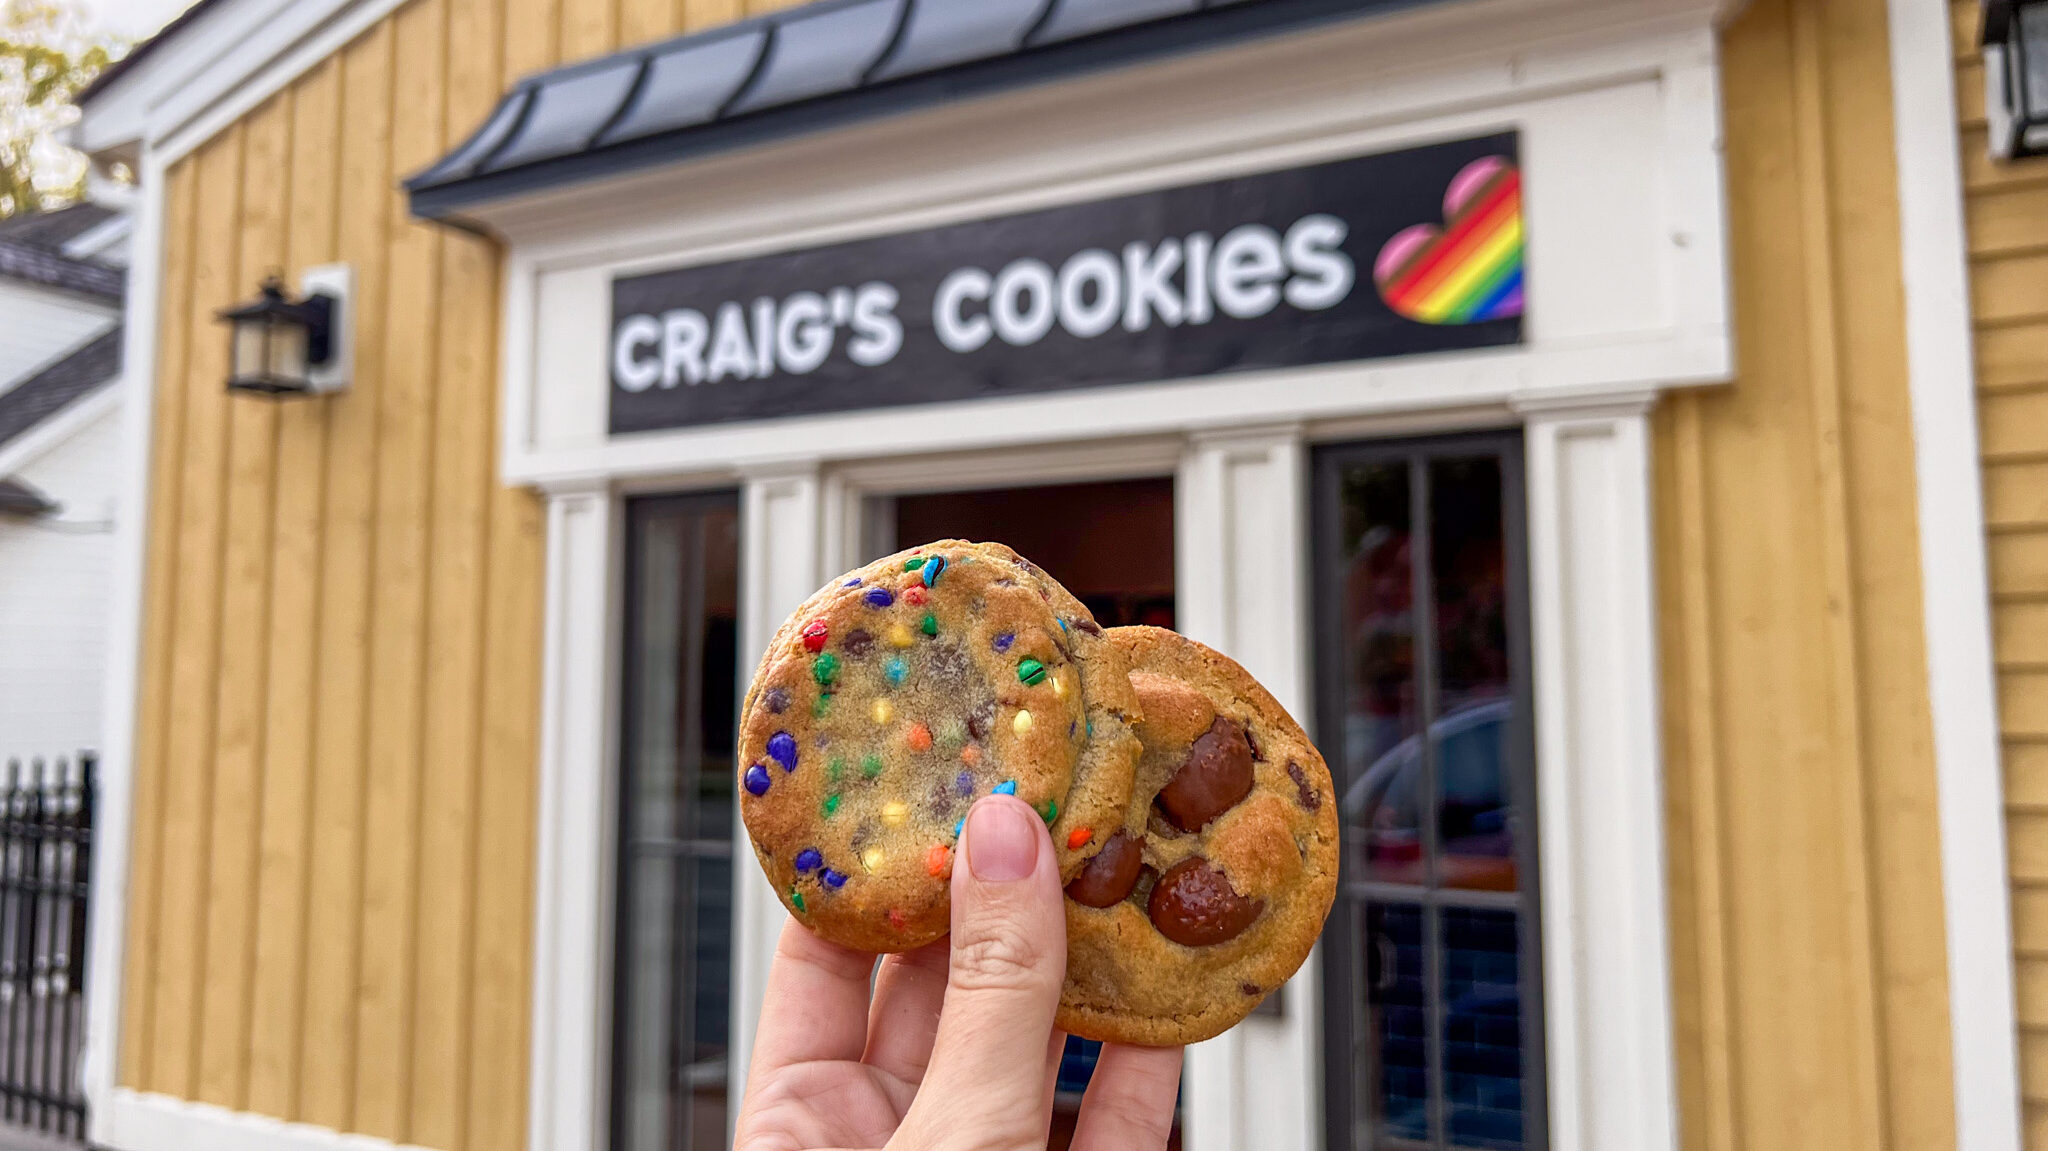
(279, 345)
(2015, 41)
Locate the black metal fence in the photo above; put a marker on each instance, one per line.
(46, 826)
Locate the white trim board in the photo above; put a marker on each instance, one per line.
(142, 1121)
(1961, 689)
(136, 391)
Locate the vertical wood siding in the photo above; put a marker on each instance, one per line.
(2006, 210)
(331, 896)
(1807, 942)
(332, 884)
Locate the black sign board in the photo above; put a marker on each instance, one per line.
(1386, 255)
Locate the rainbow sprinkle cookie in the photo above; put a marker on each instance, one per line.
(1214, 887)
(894, 698)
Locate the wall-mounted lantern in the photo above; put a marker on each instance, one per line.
(2015, 42)
(281, 346)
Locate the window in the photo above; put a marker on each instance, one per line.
(674, 933)
(1433, 1035)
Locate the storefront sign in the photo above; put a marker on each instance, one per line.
(1405, 252)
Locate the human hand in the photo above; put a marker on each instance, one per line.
(955, 1050)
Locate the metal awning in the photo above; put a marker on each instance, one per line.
(815, 67)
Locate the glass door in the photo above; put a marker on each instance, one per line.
(674, 912)
(1433, 1032)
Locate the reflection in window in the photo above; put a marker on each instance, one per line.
(675, 820)
(1432, 1032)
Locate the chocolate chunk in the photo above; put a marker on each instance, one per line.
(1251, 989)
(1109, 876)
(1216, 774)
(778, 700)
(981, 719)
(947, 665)
(1089, 626)
(1194, 905)
(1252, 743)
(1306, 793)
(857, 642)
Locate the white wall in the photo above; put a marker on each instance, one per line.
(53, 596)
(38, 325)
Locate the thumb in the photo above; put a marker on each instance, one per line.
(985, 1086)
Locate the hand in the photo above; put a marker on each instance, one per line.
(956, 1050)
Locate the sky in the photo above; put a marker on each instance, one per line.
(135, 19)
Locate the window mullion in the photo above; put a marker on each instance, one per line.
(1423, 621)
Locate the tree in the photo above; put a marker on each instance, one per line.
(48, 54)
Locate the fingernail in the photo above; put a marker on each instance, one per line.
(1002, 841)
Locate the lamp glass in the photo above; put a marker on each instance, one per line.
(286, 360)
(251, 348)
(2030, 41)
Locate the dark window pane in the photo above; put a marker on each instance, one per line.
(675, 815)
(1474, 703)
(1482, 1011)
(1395, 1061)
(1382, 761)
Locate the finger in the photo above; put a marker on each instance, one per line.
(817, 1003)
(1008, 958)
(1129, 1103)
(904, 1017)
(1055, 1049)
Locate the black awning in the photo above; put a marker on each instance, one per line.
(814, 67)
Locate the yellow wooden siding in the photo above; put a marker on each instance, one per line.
(2006, 206)
(1808, 963)
(331, 893)
(332, 890)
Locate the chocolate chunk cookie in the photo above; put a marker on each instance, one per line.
(1216, 884)
(899, 694)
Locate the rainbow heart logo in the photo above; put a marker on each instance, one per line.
(1470, 269)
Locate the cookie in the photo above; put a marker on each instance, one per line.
(1216, 886)
(898, 695)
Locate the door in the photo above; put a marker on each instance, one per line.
(672, 981)
(1112, 545)
(1433, 1021)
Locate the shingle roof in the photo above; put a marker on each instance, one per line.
(20, 498)
(53, 269)
(817, 66)
(50, 231)
(84, 370)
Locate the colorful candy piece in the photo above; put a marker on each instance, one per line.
(1022, 723)
(808, 860)
(757, 780)
(796, 899)
(815, 633)
(1007, 787)
(930, 625)
(883, 711)
(777, 700)
(825, 669)
(938, 862)
(830, 806)
(1079, 837)
(895, 812)
(914, 595)
(897, 670)
(870, 765)
(933, 569)
(879, 597)
(857, 642)
(913, 563)
(823, 705)
(964, 783)
(1003, 641)
(970, 755)
(835, 770)
(959, 825)
(871, 859)
(1050, 811)
(833, 879)
(782, 749)
(899, 636)
(1059, 686)
(919, 737)
(1031, 672)
(897, 919)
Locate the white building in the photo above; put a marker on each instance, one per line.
(61, 278)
